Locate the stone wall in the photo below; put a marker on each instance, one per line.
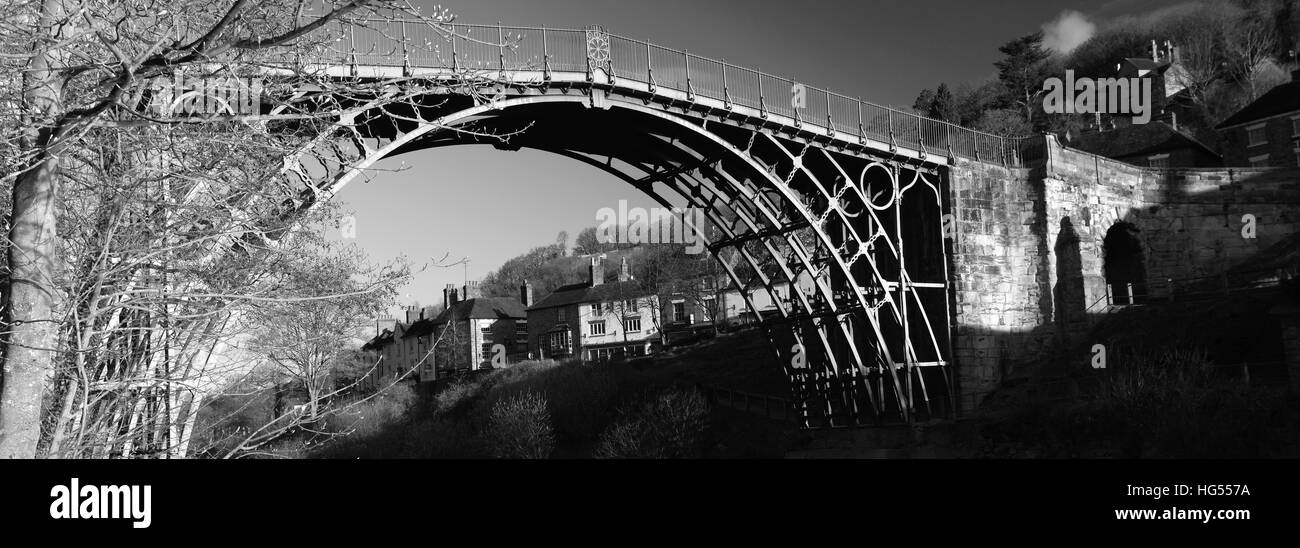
(1000, 296)
(1028, 255)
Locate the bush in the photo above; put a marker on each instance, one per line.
(581, 396)
(520, 428)
(456, 394)
(375, 414)
(1160, 403)
(670, 423)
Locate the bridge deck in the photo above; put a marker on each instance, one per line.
(593, 58)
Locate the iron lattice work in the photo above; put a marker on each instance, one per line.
(843, 235)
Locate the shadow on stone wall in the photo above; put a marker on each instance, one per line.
(1187, 225)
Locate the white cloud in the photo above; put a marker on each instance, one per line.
(1070, 29)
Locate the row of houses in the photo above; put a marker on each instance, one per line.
(592, 320)
(1264, 133)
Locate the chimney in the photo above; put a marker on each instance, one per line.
(1155, 52)
(596, 272)
(623, 273)
(412, 314)
(449, 296)
(472, 290)
(384, 322)
(526, 294)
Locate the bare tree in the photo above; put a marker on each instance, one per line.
(140, 241)
(1249, 45)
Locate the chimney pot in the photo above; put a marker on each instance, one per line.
(624, 274)
(526, 294)
(472, 290)
(596, 272)
(449, 296)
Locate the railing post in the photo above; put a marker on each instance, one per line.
(649, 68)
(501, 51)
(586, 36)
(406, 56)
(609, 63)
(830, 124)
(893, 143)
(352, 47)
(762, 102)
(862, 132)
(455, 56)
(546, 57)
(798, 120)
(690, 92)
(726, 95)
(948, 128)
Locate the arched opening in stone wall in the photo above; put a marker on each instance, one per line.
(1125, 265)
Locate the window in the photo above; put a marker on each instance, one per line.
(559, 342)
(709, 283)
(1295, 126)
(632, 325)
(1259, 161)
(1158, 160)
(679, 311)
(630, 305)
(559, 314)
(521, 329)
(710, 306)
(1255, 135)
(596, 327)
(486, 330)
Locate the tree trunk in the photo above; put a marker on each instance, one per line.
(28, 316)
(29, 348)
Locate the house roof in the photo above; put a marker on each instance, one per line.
(479, 308)
(586, 293)
(379, 340)
(1139, 139)
(1279, 100)
(1145, 63)
(420, 328)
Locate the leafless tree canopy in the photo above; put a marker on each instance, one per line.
(146, 248)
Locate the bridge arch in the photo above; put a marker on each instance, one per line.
(794, 213)
(795, 203)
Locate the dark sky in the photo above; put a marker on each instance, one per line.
(490, 205)
(884, 50)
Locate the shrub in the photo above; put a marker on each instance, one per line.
(1160, 403)
(670, 423)
(581, 396)
(371, 416)
(520, 428)
(456, 394)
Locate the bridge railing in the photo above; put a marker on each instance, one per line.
(479, 47)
